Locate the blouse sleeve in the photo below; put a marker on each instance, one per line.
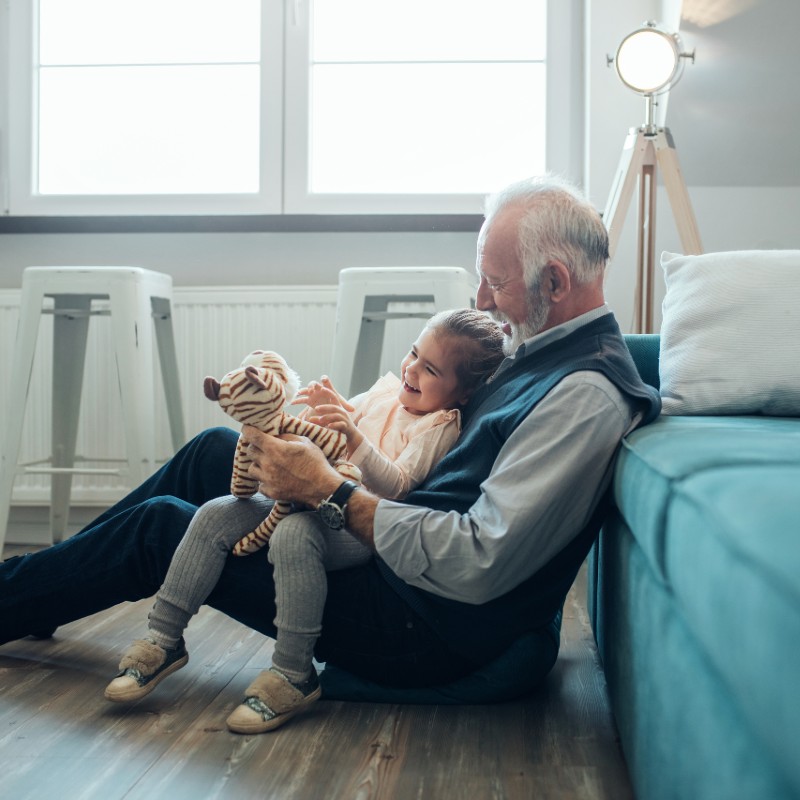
(395, 479)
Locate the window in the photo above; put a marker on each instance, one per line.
(281, 106)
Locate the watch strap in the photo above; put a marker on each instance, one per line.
(342, 494)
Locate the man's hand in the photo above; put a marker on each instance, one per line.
(290, 467)
(293, 468)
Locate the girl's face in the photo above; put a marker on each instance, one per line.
(428, 375)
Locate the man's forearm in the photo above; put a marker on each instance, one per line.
(360, 515)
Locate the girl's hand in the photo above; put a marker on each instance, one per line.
(321, 392)
(330, 415)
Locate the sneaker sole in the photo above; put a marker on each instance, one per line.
(137, 692)
(259, 725)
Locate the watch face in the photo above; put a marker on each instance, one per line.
(331, 515)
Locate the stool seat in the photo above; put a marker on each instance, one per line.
(362, 310)
(139, 303)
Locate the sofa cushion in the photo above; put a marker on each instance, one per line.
(732, 560)
(655, 460)
(728, 337)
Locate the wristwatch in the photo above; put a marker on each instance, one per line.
(331, 510)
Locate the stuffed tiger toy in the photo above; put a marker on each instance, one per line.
(255, 394)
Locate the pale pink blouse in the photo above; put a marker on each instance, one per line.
(399, 448)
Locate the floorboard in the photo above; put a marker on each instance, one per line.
(59, 738)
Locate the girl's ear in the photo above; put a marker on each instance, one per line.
(464, 397)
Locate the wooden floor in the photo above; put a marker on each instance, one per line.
(59, 738)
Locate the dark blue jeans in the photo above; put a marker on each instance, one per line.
(124, 555)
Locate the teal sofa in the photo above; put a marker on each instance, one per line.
(694, 597)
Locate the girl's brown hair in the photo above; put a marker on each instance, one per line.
(481, 343)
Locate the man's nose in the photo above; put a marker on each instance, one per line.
(484, 299)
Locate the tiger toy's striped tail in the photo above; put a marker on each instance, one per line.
(254, 394)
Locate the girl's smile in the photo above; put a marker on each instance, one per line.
(429, 380)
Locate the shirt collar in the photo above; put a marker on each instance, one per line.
(540, 340)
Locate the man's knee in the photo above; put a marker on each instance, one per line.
(202, 468)
(163, 520)
(215, 445)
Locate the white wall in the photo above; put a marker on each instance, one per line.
(202, 259)
(729, 217)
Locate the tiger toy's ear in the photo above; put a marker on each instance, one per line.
(252, 375)
(211, 388)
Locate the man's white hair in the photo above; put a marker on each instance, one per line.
(558, 223)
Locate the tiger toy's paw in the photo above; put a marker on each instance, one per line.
(348, 470)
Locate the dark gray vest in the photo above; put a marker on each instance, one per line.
(479, 632)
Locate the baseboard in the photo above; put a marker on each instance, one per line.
(30, 525)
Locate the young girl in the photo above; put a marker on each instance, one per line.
(396, 432)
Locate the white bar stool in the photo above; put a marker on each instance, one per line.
(139, 302)
(363, 307)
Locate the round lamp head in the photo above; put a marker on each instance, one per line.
(649, 60)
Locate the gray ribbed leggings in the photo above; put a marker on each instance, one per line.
(301, 550)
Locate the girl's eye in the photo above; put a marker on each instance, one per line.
(431, 370)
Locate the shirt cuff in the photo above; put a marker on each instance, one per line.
(360, 453)
(398, 541)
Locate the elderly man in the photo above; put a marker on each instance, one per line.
(483, 552)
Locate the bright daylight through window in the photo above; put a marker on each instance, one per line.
(127, 106)
(423, 101)
(273, 106)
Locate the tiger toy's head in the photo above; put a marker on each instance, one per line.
(255, 392)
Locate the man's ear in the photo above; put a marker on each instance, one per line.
(558, 281)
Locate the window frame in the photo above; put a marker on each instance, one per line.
(284, 141)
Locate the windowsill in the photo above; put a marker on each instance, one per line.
(255, 223)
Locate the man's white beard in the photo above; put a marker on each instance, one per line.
(538, 311)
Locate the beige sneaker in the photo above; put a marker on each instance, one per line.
(143, 667)
(272, 699)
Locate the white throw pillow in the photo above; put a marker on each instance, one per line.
(730, 336)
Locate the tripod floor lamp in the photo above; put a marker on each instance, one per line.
(649, 61)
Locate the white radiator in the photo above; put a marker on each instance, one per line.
(215, 327)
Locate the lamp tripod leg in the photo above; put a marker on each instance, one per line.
(672, 176)
(622, 189)
(646, 251)
(642, 154)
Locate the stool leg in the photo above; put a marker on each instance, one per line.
(69, 358)
(367, 360)
(132, 327)
(349, 313)
(19, 383)
(167, 357)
